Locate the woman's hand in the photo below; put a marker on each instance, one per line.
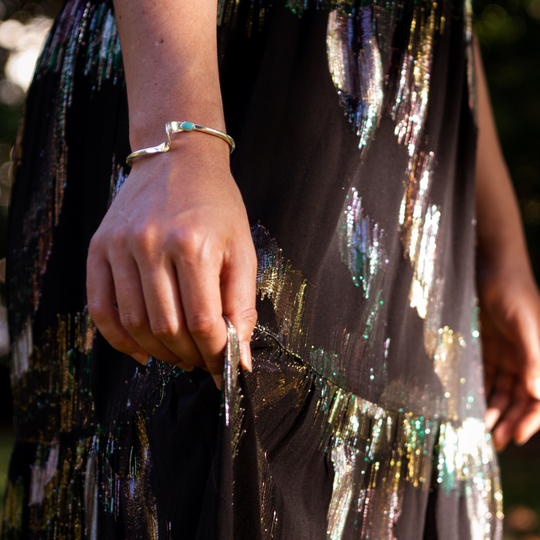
(510, 318)
(174, 252)
(509, 298)
(172, 256)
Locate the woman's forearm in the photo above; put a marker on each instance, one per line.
(170, 57)
(509, 299)
(502, 249)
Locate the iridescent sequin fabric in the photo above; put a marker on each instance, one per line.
(366, 392)
(85, 36)
(375, 452)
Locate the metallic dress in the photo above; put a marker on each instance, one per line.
(363, 416)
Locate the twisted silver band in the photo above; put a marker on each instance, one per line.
(179, 127)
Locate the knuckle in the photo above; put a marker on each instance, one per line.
(97, 311)
(248, 316)
(201, 324)
(144, 238)
(190, 242)
(117, 238)
(184, 240)
(133, 322)
(96, 244)
(164, 329)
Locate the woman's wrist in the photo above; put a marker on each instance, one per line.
(510, 271)
(198, 150)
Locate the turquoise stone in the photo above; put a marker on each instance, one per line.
(188, 126)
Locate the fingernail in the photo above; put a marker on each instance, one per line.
(218, 379)
(246, 355)
(141, 358)
(186, 367)
(498, 444)
(491, 418)
(537, 388)
(520, 442)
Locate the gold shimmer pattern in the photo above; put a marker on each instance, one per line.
(446, 360)
(464, 457)
(376, 452)
(286, 288)
(84, 38)
(14, 502)
(452, 358)
(359, 41)
(424, 262)
(55, 374)
(238, 14)
(378, 501)
(355, 54)
(357, 358)
(358, 77)
(356, 66)
(420, 222)
(412, 95)
(414, 204)
(136, 486)
(75, 482)
(420, 229)
(54, 490)
(80, 469)
(292, 296)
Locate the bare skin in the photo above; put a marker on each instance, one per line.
(509, 298)
(174, 252)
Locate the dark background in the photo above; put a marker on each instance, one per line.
(509, 34)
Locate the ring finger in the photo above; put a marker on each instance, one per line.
(132, 308)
